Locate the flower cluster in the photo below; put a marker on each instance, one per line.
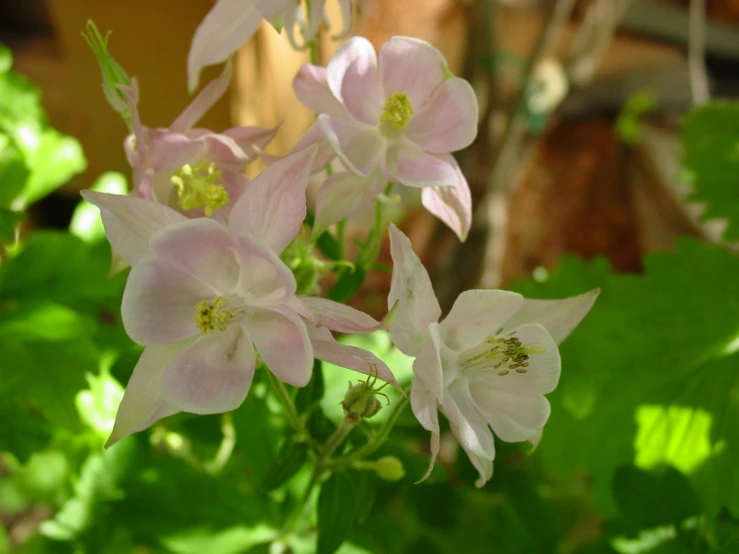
(210, 298)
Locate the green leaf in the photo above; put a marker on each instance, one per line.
(55, 160)
(6, 59)
(711, 144)
(9, 220)
(311, 394)
(338, 508)
(348, 283)
(291, 457)
(13, 173)
(651, 375)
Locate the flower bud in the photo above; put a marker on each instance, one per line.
(360, 402)
(389, 468)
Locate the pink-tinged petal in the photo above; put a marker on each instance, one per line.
(228, 25)
(139, 131)
(326, 348)
(410, 165)
(203, 249)
(273, 207)
(476, 315)
(314, 136)
(452, 205)
(203, 102)
(411, 66)
(543, 371)
(283, 343)
(143, 403)
(159, 303)
(513, 417)
(170, 151)
(425, 407)
(213, 374)
(427, 367)
(352, 77)
(252, 140)
(344, 195)
(359, 146)
(335, 316)
(265, 279)
(470, 429)
(411, 290)
(448, 121)
(130, 222)
(312, 90)
(559, 317)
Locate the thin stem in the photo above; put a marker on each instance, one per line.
(287, 402)
(333, 442)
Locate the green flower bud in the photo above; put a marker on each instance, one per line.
(360, 402)
(389, 468)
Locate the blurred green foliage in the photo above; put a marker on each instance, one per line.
(640, 454)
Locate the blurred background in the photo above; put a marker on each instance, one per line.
(579, 179)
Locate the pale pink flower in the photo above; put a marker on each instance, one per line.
(230, 23)
(203, 294)
(396, 120)
(486, 365)
(195, 171)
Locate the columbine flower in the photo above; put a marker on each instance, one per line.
(396, 122)
(487, 365)
(230, 23)
(195, 171)
(202, 295)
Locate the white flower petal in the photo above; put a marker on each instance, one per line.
(203, 102)
(265, 280)
(143, 403)
(130, 222)
(344, 195)
(428, 363)
(410, 165)
(425, 408)
(411, 66)
(411, 290)
(477, 314)
(283, 343)
(159, 303)
(452, 205)
(359, 146)
(352, 77)
(213, 374)
(513, 417)
(335, 316)
(201, 248)
(312, 90)
(559, 317)
(272, 208)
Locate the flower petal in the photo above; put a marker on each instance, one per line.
(143, 403)
(159, 303)
(283, 344)
(411, 290)
(470, 429)
(203, 249)
(452, 205)
(314, 135)
(559, 317)
(411, 66)
(448, 121)
(353, 79)
(477, 314)
(130, 222)
(513, 417)
(272, 209)
(203, 102)
(265, 279)
(228, 25)
(312, 90)
(543, 371)
(359, 146)
(213, 374)
(251, 140)
(410, 165)
(326, 348)
(344, 195)
(425, 408)
(428, 366)
(169, 151)
(335, 316)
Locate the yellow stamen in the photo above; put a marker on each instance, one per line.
(503, 354)
(211, 315)
(396, 113)
(198, 187)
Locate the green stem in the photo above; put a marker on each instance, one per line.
(333, 442)
(287, 402)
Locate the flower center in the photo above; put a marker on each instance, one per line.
(212, 314)
(199, 187)
(396, 113)
(504, 354)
